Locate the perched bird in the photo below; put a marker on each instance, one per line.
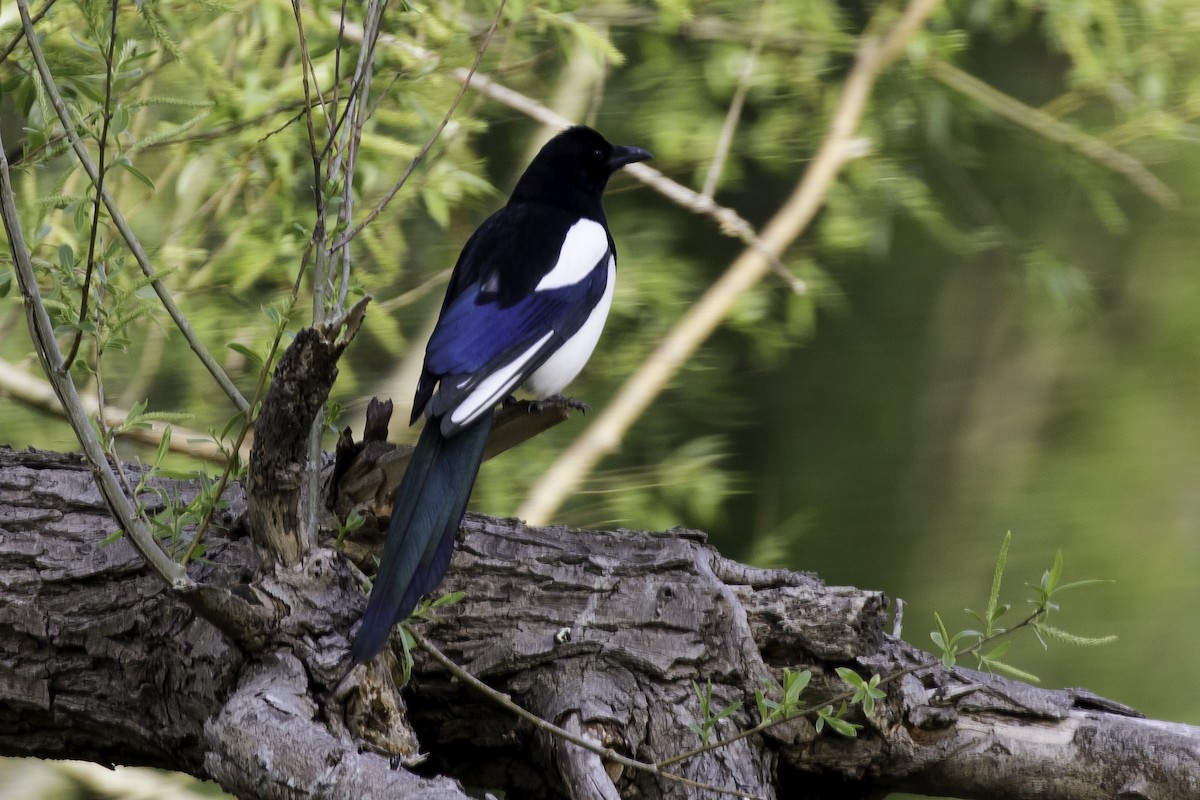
(525, 306)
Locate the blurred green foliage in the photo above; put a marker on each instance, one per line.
(1001, 331)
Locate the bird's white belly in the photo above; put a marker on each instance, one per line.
(561, 368)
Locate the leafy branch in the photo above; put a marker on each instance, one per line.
(117, 217)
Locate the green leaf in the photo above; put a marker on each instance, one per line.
(727, 710)
(850, 676)
(66, 256)
(760, 701)
(843, 727)
(1083, 583)
(996, 652)
(242, 349)
(794, 682)
(124, 164)
(119, 122)
(450, 598)
(407, 645)
(1051, 577)
(135, 413)
(164, 446)
(997, 576)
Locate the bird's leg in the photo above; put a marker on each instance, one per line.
(558, 400)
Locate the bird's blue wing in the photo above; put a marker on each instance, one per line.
(481, 350)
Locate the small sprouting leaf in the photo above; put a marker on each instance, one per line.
(450, 598)
(407, 644)
(997, 576)
(848, 729)
(164, 446)
(135, 414)
(764, 711)
(794, 682)
(941, 637)
(850, 676)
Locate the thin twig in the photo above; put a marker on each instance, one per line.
(358, 111)
(318, 234)
(118, 218)
(466, 82)
(734, 114)
(20, 34)
(730, 222)
(590, 745)
(1055, 130)
(706, 314)
(102, 147)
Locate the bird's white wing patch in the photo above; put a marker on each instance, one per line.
(583, 248)
(495, 386)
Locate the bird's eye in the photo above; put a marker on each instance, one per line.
(597, 155)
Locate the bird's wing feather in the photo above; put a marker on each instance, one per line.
(481, 351)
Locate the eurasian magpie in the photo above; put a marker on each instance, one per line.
(525, 306)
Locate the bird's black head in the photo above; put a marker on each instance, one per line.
(572, 169)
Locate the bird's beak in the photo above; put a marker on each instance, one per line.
(622, 155)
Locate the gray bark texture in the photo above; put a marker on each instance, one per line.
(600, 632)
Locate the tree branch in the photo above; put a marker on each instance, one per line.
(598, 632)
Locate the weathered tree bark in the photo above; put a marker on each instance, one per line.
(601, 632)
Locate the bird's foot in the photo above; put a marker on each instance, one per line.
(561, 401)
(511, 400)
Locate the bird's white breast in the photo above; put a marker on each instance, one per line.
(561, 368)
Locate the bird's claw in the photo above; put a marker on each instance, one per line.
(561, 401)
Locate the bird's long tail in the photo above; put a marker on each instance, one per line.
(429, 507)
